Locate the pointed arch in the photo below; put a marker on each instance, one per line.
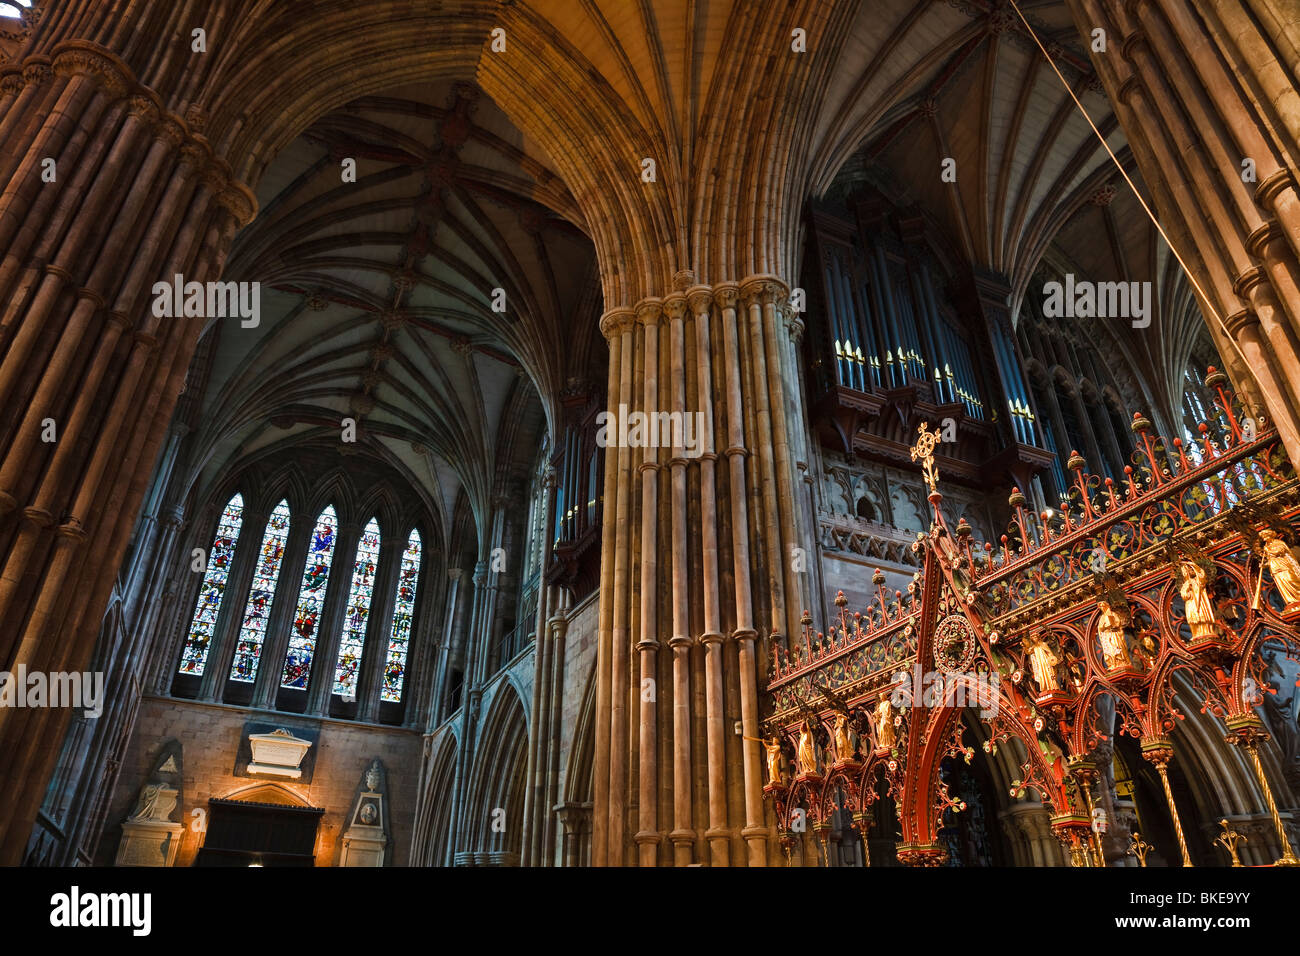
(334, 489)
(267, 793)
(579, 773)
(496, 810)
(431, 844)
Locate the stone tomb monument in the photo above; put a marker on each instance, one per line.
(151, 836)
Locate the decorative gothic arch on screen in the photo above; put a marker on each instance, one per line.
(310, 591)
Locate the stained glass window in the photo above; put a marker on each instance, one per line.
(311, 600)
(252, 631)
(395, 666)
(195, 654)
(354, 625)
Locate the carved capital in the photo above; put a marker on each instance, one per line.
(196, 118)
(616, 321)
(78, 58)
(763, 289)
(727, 295)
(192, 154)
(650, 310)
(239, 200)
(700, 298)
(36, 71)
(675, 307)
(170, 131)
(144, 107)
(683, 279)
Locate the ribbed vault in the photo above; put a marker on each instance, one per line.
(378, 295)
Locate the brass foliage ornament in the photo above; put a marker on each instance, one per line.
(1229, 839)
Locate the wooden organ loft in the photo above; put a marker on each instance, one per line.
(896, 337)
(579, 467)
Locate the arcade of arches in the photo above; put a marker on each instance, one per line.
(381, 562)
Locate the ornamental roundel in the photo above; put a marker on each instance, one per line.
(954, 644)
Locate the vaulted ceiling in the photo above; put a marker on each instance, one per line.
(524, 173)
(380, 301)
(978, 92)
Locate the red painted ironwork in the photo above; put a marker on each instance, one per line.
(1107, 584)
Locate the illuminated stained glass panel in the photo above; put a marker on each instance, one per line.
(252, 630)
(395, 665)
(311, 601)
(197, 643)
(353, 640)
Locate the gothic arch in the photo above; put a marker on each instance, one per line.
(496, 790)
(578, 771)
(268, 793)
(431, 845)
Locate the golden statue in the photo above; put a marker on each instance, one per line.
(775, 771)
(1077, 672)
(843, 738)
(1042, 662)
(885, 724)
(1282, 564)
(1110, 629)
(1148, 650)
(1198, 607)
(773, 748)
(806, 753)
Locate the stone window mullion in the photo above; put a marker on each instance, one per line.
(321, 683)
(276, 642)
(378, 627)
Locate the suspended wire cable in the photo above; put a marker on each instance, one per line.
(1147, 209)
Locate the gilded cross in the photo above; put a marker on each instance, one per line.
(923, 451)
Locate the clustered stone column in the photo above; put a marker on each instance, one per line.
(1034, 824)
(543, 772)
(699, 569)
(1234, 107)
(136, 197)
